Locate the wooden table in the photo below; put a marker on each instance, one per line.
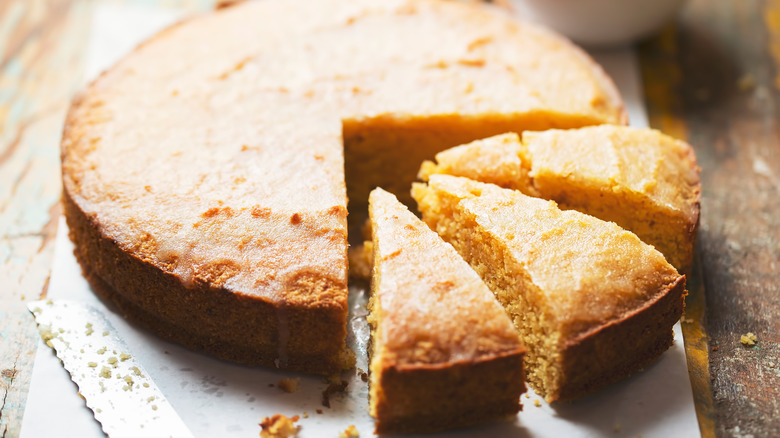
(712, 77)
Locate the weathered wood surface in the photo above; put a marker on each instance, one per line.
(41, 50)
(715, 79)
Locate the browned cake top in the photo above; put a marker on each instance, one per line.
(214, 150)
(624, 160)
(433, 308)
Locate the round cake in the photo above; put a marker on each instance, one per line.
(206, 175)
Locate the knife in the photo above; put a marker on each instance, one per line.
(115, 386)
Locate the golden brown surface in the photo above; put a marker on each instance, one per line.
(213, 155)
(444, 353)
(590, 300)
(641, 179)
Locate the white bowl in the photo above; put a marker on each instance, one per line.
(601, 23)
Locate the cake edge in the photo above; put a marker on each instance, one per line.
(100, 258)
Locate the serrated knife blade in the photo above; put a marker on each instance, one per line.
(116, 387)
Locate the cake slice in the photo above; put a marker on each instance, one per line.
(641, 179)
(592, 303)
(444, 354)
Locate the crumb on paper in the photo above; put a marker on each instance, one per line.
(105, 333)
(288, 385)
(746, 82)
(124, 356)
(279, 426)
(350, 432)
(105, 372)
(537, 403)
(336, 386)
(527, 395)
(102, 350)
(748, 339)
(305, 414)
(92, 364)
(89, 328)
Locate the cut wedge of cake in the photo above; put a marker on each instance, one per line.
(592, 303)
(641, 179)
(443, 353)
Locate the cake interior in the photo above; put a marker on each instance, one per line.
(387, 151)
(513, 288)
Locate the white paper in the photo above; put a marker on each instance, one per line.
(216, 398)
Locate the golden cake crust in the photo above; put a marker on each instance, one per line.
(211, 158)
(641, 179)
(444, 353)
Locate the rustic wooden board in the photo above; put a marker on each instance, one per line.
(42, 49)
(714, 79)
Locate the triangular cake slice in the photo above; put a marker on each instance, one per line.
(645, 181)
(444, 353)
(592, 303)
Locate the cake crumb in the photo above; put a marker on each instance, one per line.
(528, 396)
(102, 350)
(288, 385)
(335, 387)
(92, 364)
(537, 403)
(124, 356)
(305, 414)
(89, 328)
(105, 372)
(279, 426)
(748, 339)
(350, 432)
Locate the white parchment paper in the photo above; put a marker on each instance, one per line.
(219, 399)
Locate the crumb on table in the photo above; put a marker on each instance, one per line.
(288, 385)
(748, 339)
(279, 426)
(350, 432)
(333, 388)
